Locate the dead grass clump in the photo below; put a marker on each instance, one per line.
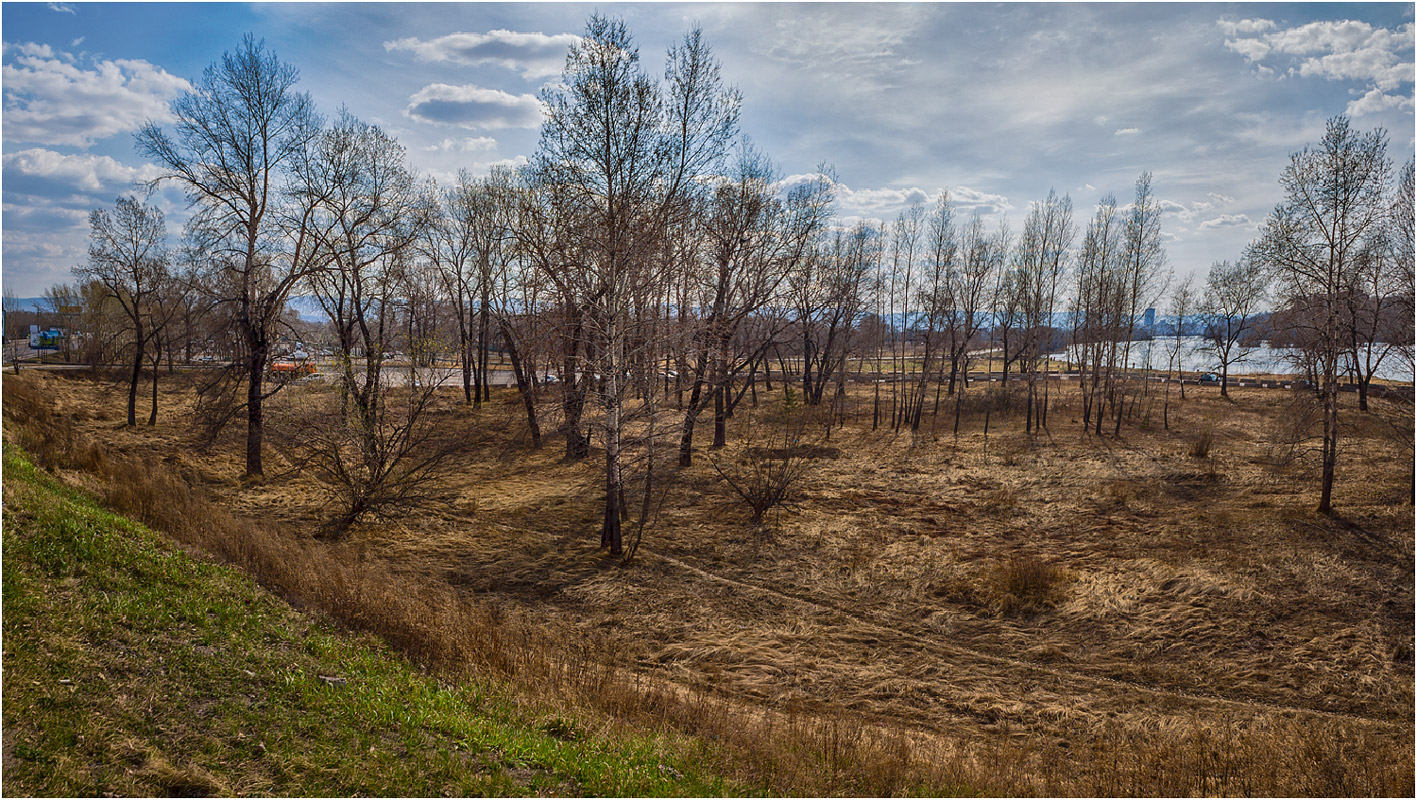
(1025, 584)
(1116, 494)
(1200, 447)
(1001, 500)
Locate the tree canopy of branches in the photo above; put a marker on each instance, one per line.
(1314, 242)
(238, 136)
(128, 257)
(620, 155)
(1232, 297)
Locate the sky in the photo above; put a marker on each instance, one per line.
(994, 103)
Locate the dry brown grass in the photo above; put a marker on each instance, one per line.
(1200, 447)
(1192, 631)
(1025, 585)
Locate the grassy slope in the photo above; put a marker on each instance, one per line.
(132, 668)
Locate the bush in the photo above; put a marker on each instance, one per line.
(771, 465)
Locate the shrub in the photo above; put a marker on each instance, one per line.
(770, 466)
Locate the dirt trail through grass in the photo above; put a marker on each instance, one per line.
(929, 644)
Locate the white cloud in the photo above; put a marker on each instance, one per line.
(1225, 221)
(975, 200)
(1375, 101)
(1127, 131)
(62, 8)
(534, 55)
(1336, 50)
(1251, 49)
(857, 204)
(82, 172)
(1189, 211)
(448, 177)
(50, 99)
(473, 107)
(471, 144)
(1246, 26)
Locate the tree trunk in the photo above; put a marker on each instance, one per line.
(614, 488)
(524, 388)
(255, 422)
(133, 383)
(157, 366)
(719, 415)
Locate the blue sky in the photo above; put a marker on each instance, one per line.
(997, 103)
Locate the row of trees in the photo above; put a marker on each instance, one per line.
(648, 260)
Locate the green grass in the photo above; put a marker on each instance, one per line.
(133, 668)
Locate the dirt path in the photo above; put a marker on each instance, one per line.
(1066, 674)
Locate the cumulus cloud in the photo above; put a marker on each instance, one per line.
(858, 204)
(1246, 26)
(1187, 212)
(53, 98)
(470, 144)
(534, 55)
(1375, 100)
(448, 177)
(1225, 221)
(473, 107)
(1336, 50)
(41, 171)
(975, 200)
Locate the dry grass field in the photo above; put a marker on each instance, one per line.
(1055, 614)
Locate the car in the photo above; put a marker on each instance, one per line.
(1208, 377)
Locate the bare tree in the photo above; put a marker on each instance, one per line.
(128, 256)
(1374, 312)
(1041, 260)
(622, 153)
(1183, 301)
(1143, 261)
(1233, 296)
(752, 241)
(448, 242)
(236, 135)
(1312, 242)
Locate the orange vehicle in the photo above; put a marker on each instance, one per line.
(292, 369)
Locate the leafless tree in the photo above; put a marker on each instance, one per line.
(1143, 281)
(128, 256)
(1041, 262)
(1233, 296)
(621, 154)
(752, 241)
(1312, 242)
(1399, 224)
(236, 135)
(1183, 301)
